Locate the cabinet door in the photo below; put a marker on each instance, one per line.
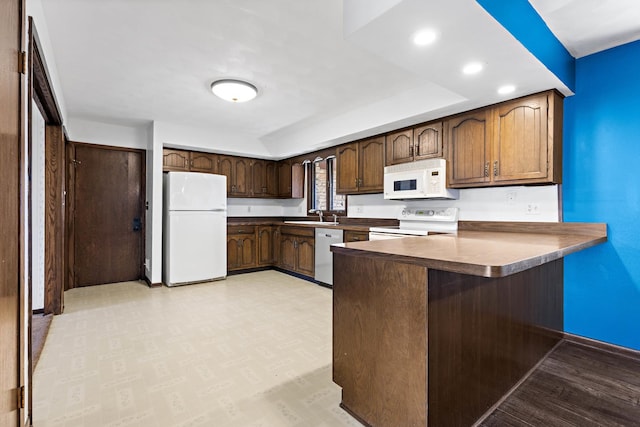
(225, 167)
(233, 253)
(203, 162)
(347, 169)
(306, 256)
(175, 160)
(287, 252)
(265, 246)
(467, 149)
(271, 179)
(520, 140)
(258, 178)
(247, 251)
(371, 165)
(427, 141)
(399, 146)
(242, 170)
(284, 178)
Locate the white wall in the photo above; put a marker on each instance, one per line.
(37, 207)
(117, 135)
(517, 203)
(266, 207)
(208, 139)
(34, 9)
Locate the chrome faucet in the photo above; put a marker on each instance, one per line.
(320, 214)
(335, 218)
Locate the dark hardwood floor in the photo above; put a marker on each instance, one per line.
(577, 385)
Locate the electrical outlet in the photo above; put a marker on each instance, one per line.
(358, 209)
(533, 209)
(248, 208)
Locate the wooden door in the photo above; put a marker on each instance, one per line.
(203, 162)
(242, 176)
(427, 141)
(225, 167)
(347, 168)
(258, 178)
(468, 139)
(271, 179)
(306, 256)
(520, 140)
(371, 165)
(399, 146)
(11, 329)
(108, 217)
(287, 252)
(175, 160)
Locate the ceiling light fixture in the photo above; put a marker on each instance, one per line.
(234, 90)
(424, 37)
(506, 89)
(472, 68)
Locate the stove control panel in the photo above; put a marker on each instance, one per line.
(429, 214)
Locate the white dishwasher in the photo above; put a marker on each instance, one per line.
(325, 237)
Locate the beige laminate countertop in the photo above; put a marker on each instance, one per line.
(481, 253)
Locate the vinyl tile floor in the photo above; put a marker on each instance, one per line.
(252, 350)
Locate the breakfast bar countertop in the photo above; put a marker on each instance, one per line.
(484, 248)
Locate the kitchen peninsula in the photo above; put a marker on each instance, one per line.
(435, 330)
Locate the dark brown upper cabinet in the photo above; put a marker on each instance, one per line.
(418, 143)
(360, 166)
(511, 143)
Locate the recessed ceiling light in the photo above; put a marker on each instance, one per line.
(472, 68)
(234, 90)
(425, 37)
(506, 89)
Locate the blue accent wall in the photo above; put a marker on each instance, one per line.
(524, 23)
(601, 177)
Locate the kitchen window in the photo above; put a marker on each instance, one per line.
(322, 187)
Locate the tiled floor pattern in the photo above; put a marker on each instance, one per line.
(253, 350)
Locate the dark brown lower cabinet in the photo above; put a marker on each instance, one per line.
(297, 250)
(241, 247)
(267, 245)
(419, 347)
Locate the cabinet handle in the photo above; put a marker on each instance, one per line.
(191, 163)
(486, 170)
(359, 182)
(495, 168)
(411, 151)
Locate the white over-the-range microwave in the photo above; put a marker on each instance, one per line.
(424, 179)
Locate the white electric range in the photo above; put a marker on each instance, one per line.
(419, 222)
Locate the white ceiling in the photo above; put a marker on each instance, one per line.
(590, 26)
(136, 61)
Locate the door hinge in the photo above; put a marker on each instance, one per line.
(21, 398)
(22, 62)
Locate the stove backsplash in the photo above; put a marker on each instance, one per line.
(515, 203)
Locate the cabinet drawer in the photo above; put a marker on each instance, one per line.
(298, 231)
(241, 229)
(355, 236)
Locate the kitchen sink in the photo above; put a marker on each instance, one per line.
(318, 223)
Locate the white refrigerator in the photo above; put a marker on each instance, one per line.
(194, 228)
